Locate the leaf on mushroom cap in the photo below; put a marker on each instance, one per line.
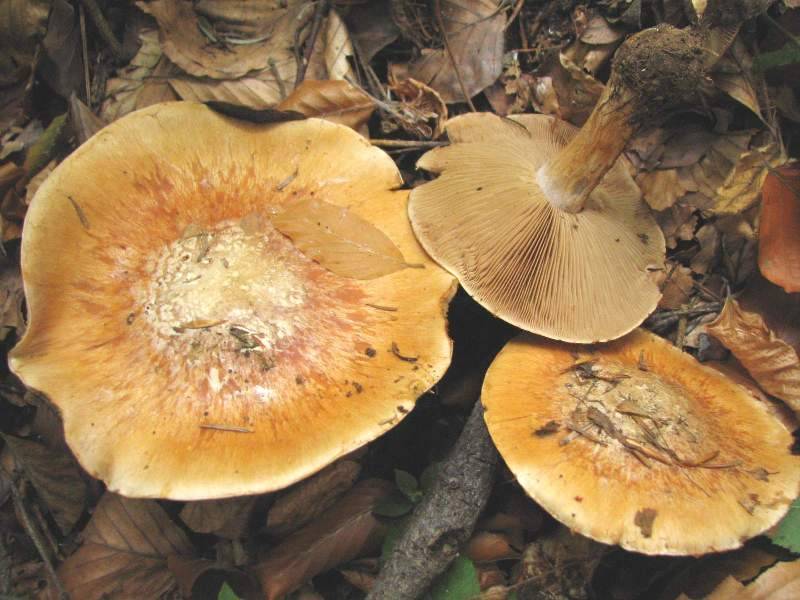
(193, 350)
(637, 444)
(580, 277)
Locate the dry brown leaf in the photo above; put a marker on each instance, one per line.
(141, 83)
(224, 45)
(773, 363)
(475, 33)
(709, 239)
(201, 579)
(252, 92)
(677, 223)
(489, 546)
(55, 477)
(11, 298)
(227, 517)
(734, 75)
(779, 231)
(781, 582)
(344, 532)
(661, 188)
(311, 497)
(677, 286)
(370, 27)
(420, 110)
(329, 58)
(338, 239)
(336, 101)
(565, 90)
(780, 311)
(82, 120)
(22, 25)
(124, 553)
(742, 187)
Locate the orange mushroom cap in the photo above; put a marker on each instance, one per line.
(193, 350)
(575, 276)
(636, 443)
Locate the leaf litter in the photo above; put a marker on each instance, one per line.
(395, 69)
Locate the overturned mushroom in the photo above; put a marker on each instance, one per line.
(636, 443)
(194, 350)
(539, 221)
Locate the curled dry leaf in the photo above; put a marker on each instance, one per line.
(778, 239)
(475, 34)
(227, 517)
(487, 546)
(55, 477)
(344, 532)
(336, 101)
(338, 239)
(781, 582)
(124, 553)
(773, 363)
(421, 110)
(311, 497)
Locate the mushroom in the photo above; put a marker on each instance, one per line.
(193, 350)
(540, 222)
(636, 443)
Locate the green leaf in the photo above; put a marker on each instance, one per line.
(407, 484)
(459, 582)
(788, 55)
(226, 593)
(787, 533)
(392, 536)
(394, 505)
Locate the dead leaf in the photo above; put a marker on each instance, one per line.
(742, 186)
(734, 75)
(565, 90)
(709, 240)
(488, 546)
(229, 43)
(420, 110)
(346, 531)
(770, 361)
(124, 552)
(677, 223)
(311, 497)
(370, 27)
(778, 240)
(142, 82)
(661, 188)
(23, 23)
(82, 120)
(61, 64)
(336, 101)
(227, 517)
(781, 582)
(55, 477)
(201, 579)
(329, 58)
(677, 286)
(474, 30)
(11, 298)
(780, 311)
(338, 239)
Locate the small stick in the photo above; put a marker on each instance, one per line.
(85, 56)
(316, 25)
(445, 518)
(104, 29)
(405, 143)
(440, 21)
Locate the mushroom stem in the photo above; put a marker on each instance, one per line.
(570, 176)
(655, 70)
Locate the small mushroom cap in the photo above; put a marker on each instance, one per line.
(637, 444)
(193, 350)
(581, 277)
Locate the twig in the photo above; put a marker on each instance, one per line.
(445, 518)
(514, 13)
(273, 68)
(85, 57)
(405, 143)
(437, 5)
(316, 25)
(36, 537)
(104, 29)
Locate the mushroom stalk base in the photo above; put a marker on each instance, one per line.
(572, 174)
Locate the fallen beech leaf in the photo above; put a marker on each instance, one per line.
(781, 582)
(677, 287)
(474, 31)
(780, 311)
(225, 46)
(742, 186)
(11, 298)
(734, 75)
(22, 25)
(342, 533)
(61, 64)
(82, 120)
(370, 27)
(310, 498)
(338, 239)
(565, 90)
(55, 477)
(257, 93)
(773, 363)
(142, 82)
(487, 546)
(421, 112)
(329, 59)
(336, 101)
(778, 239)
(227, 517)
(125, 550)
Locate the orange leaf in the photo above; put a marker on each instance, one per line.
(336, 101)
(779, 236)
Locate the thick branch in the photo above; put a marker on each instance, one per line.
(444, 520)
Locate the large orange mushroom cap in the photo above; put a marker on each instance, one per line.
(193, 350)
(636, 443)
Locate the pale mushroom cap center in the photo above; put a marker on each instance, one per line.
(637, 411)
